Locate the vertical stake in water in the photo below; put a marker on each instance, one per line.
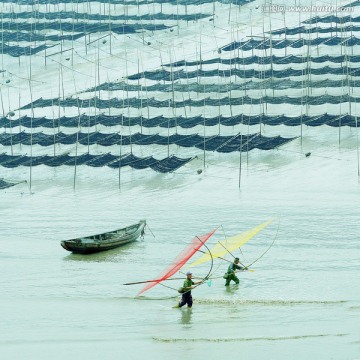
(146, 92)
(248, 135)
(139, 97)
(121, 133)
(89, 124)
(10, 126)
(77, 137)
(173, 93)
(31, 126)
(357, 142)
(2, 40)
(168, 132)
(171, 103)
(240, 151)
(128, 101)
(53, 121)
(342, 80)
(109, 26)
(204, 130)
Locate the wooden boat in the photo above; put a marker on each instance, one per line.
(105, 241)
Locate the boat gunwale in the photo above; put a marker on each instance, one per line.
(107, 232)
(77, 246)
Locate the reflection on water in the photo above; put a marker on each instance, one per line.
(186, 315)
(113, 255)
(231, 289)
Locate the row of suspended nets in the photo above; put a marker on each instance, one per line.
(144, 103)
(268, 43)
(165, 165)
(168, 75)
(334, 18)
(266, 60)
(161, 121)
(252, 44)
(210, 143)
(128, 2)
(269, 83)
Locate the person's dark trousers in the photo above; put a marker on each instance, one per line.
(186, 299)
(231, 277)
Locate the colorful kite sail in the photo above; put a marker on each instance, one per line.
(223, 247)
(180, 260)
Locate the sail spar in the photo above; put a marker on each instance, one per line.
(230, 244)
(179, 261)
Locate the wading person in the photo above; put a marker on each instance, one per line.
(186, 297)
(230, 274)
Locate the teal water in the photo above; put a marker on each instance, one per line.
(302, 300)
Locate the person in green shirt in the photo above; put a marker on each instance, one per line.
(186, 297)
(230, 274)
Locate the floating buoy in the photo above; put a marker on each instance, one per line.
(149, 43)
(308, 154)
(67, 59)
(199, 171)
(7, 81)
(104, 42)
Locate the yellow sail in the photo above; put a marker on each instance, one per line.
(230, 244)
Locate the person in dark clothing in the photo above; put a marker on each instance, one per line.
(230, 274)
(186, 297)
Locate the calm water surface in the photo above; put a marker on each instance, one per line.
(301, 301)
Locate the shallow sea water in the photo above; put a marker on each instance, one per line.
(301, 301)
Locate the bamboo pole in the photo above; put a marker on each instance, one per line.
(357, 143)
(31, 125)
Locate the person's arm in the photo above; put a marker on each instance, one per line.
(238, 267)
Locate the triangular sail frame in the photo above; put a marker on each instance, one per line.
(180, 260)
(230, 244)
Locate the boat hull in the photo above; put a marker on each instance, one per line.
(105, 241)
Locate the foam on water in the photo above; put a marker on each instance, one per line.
(237, 302)
(282, 338)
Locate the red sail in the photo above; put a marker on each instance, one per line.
(180, 260)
